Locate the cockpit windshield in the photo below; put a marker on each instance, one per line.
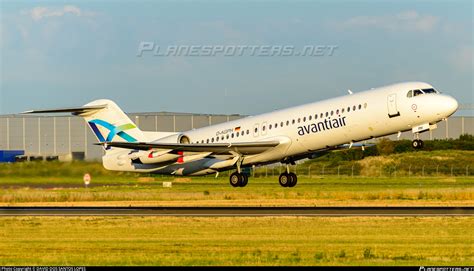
(417, 92)
(429, 90)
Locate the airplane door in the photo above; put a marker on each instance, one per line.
(255, 130)
(392, 106)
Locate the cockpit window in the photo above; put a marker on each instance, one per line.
(417, 92)
(430, 90)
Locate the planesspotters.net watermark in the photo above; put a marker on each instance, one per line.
(149, 48)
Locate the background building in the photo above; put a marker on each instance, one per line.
(68, 136)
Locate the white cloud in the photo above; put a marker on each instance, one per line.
(408, 20)
(39, 13)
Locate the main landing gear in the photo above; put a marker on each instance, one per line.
(288, 179)
(238, 179)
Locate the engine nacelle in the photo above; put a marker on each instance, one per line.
(155, 157)
(175, 138)
(149, 157)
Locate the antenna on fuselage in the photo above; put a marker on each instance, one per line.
(350, 92)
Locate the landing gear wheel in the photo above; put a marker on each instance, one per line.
(235, 179)
(245, 180)
(284, 179)
(417, 144)
(293, 179)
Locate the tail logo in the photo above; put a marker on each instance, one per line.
(114, 130)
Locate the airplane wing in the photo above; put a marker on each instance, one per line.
(317, 153)
(244, 148)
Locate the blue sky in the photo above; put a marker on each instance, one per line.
(57, 54)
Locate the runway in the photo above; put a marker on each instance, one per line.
(237, 211)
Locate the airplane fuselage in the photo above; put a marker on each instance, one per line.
(305, 129)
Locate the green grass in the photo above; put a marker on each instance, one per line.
(375, 183)
(429, 163)
(419, 163)
(260, 191)
(236, 241)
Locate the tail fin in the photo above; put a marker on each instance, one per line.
(108, 122)
(111, 124)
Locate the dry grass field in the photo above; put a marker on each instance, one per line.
(236, 241)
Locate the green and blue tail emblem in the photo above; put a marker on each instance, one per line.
(113, 130)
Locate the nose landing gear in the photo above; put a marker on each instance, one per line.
(417, 144)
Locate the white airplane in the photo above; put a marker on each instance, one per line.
(284, 136)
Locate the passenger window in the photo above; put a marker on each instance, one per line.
(263, 129)
(354, 108)
(365, 105)
(293, 121)
(410, 94)
(232, 135)
(270, 127)
(360, 106)
(327, 114)
(337, 112)
(332, 112)
(304, 119)
(248, 131)
(223, 137)
(212, 140)
(315, 116)
(349, 109)
(237, 134)
(287, 122)
(310, 117)
(321, 115)
(281, 124)
(227, 137)
(342, 110)
(242, 133)
(256, 130)
(299, 120)
(276, 125)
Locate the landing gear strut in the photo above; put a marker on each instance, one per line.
(238, 179)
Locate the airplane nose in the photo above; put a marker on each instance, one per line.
(451, 105)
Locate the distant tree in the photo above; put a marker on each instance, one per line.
(385, 146)
(466, 137)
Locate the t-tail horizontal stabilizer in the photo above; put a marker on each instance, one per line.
(73, 110)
